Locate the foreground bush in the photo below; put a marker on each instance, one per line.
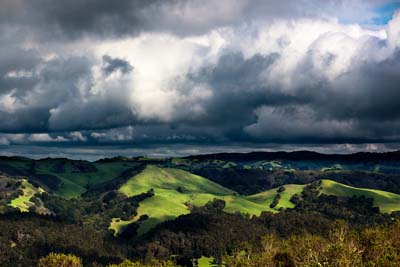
(60, 260)
(128, 263)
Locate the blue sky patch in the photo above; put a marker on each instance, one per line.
(385, 13)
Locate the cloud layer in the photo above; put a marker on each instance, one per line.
(191, 72)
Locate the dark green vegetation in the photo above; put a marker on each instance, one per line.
(199, 209)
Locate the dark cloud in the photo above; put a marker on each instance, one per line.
(360, 106)
(103, 18)
(26, 120)
(238, 88)
(76, 17)
(17, 68)
(114, 64)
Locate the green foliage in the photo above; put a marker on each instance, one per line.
(154, 263)
(343, 247)
(60, 260)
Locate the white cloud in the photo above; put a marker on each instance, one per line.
(43, 137)
(394, 31)
(77, 136)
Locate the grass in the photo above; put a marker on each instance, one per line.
(171, 179)
(117, 224)
(265, 198)
(70, 189)
(386, 201)
(23, 202)
(174, 189)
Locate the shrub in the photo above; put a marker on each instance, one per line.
(60, 260)
(155, 263)
(281, 189)
(275, 201)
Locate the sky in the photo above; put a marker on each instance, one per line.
(98, 78)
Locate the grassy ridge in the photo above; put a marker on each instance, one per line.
(175, 190)
(386, 201)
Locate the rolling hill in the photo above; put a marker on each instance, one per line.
(175, 191)
(386, 201)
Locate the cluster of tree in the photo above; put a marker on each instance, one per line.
(97, 210)
(25, 237)
(342, 245)
(70, 260)
(355, 210)
(277, 197)
(372, 246)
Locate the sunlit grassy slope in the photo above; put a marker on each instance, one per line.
(206, 262)
(23, 202)
(175, 190)
(386, 201)
(269, 195)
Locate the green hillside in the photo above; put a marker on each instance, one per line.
(175, 190)
(75, 183)
(386, 201)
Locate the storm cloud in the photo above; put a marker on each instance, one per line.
(198, 73)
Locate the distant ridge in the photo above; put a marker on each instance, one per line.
(249, 156)
(300, 155)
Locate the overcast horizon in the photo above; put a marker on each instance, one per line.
(90, 79)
